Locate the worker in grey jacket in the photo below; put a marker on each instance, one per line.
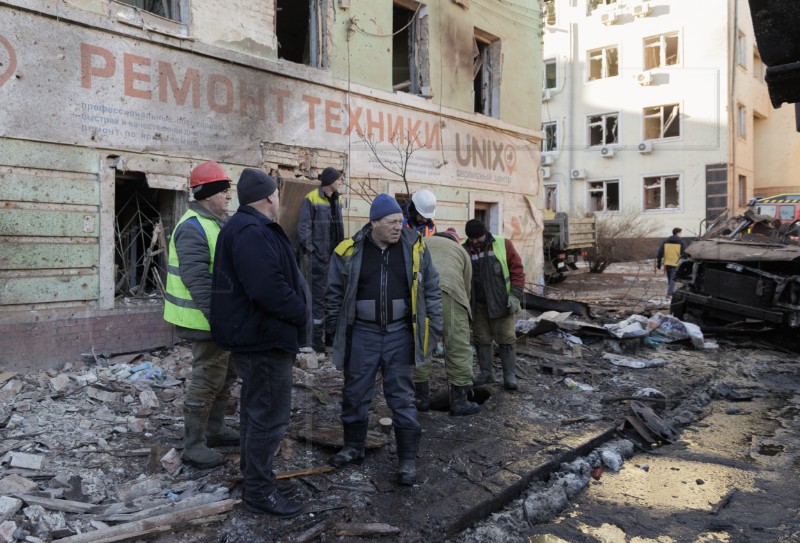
(384, 308)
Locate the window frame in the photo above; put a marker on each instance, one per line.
(662, 130)
(554, 125)
(662, 177)
(604, 62)
(418, 38)
(547, 189)
(488, 49)
(603, 124)
(554, 63)
(604, 189)
(741, 49)
(663, 49)
(741, 121)
(741, 190)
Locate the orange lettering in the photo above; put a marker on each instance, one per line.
(88, 70)
(280, 94)
(396, 130)
(332, 115)
(433, 136)
(375, 124)
(132, 76)
(312, 102)
(353, 121)
(245, 100)
(227, 87)
(167, 81)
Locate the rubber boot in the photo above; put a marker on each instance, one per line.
(508, 356)
(217, 433)
(407, 447)
(355, 435)
(485, 356)
(195, 451)
(422, 396)
(459, 404)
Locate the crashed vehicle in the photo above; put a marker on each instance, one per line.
(744, 273)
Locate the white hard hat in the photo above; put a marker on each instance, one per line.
(425, 203)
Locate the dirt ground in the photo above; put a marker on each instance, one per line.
(482, 477)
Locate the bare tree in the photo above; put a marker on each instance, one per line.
(404, 147)
(620, 238)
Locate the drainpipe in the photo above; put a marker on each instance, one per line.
(573, 36)
(732, 109)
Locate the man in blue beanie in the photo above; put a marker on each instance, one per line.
(384, 308)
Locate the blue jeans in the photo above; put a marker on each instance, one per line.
(670, 279)
(393, 354)
(265, 405)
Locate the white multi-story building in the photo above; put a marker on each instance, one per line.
(659, 108)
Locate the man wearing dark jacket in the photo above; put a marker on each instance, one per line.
(498, 280)
(187, 305)
(319, 230)
(384, 308)
(259, 312)
(670, 252)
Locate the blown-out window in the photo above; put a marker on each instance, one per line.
(661, 122)
(661, 192)
(603, 195)
(661, 51)
(603, 63)
(169, 9)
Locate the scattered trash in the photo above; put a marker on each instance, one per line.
(636, 363)
(571, 383)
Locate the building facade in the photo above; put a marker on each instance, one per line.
(659, 108)
(107, 106)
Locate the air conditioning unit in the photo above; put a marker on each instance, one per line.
(644, 78)
(609, 17)
(642, 9)
(546, 172)
(577, 173)
(547, 160)
(645, 147)
(607, 151)
(547, 95)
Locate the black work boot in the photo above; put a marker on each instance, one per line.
(508, 356)
(195, 451)
(422, 396)
(459, 404)
(217, 433)
(316, 340)
(355, 435)
(274, 503)
(407, 447)
(485, 357)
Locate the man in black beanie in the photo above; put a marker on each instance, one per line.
(187, 305)
(259, 311)
(319, 230)
(496, 298)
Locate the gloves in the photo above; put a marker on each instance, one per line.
(514, 303)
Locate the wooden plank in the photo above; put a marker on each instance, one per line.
(33, 290)
(38, 256)
(67, 506)
(168, 522)
(50, 156)
(40, 222)
(52, 187)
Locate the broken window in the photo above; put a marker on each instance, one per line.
(661, 51)
(549, 12)
(603, 129)
(489, 214)
(169, 9)
(603, 63)
(661, 192)
(144, 219)
(486, 73)
(410, 66)
(551, 197)
(742, 191)
(741, 121)
(594, 4)
(603, 195)
(550, 141)
(550, 81)
(299, 30)
(661, 122)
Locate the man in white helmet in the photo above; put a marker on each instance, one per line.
(420, 213)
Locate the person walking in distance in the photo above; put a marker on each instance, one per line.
(498, 279)
(319, 229)
(670, 253)
(187, 305)
(384, 307)
(260, 312)
(455, 279)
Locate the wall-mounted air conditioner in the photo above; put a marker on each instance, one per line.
(645, 147)
(547, 95)
(609, 17)
(546, 172)
(577, 173)
(642, 9)
(644, 78)
(606, 151)
(547, 160)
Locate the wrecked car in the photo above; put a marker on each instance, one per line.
(744, 271)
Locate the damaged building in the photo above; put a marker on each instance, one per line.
(109, 104)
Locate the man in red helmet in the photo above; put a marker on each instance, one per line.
(187, 305)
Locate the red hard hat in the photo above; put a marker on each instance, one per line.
(208, 172)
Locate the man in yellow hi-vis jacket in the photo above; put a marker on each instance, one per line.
(670, 252)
